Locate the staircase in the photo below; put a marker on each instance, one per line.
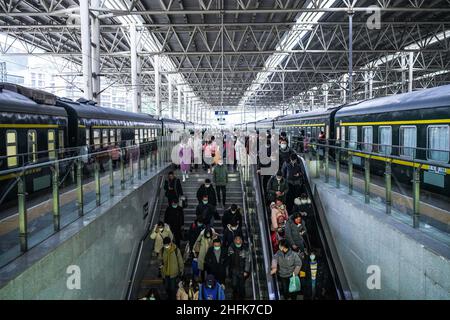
(190, 187)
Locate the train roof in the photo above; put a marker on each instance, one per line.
(427, 98)
(18, 99)
(310, 114)
(89, 111)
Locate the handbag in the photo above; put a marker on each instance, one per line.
(294, 283)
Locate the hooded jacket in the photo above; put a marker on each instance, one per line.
(293, 234)
(174, 217)
(284, 155)
(217, 267)
(183, 295)
(202, 245)
(173, 263)
(229, 234)
(206, 211)
(210, 192)
(228, 216)
(159, 237)
(278, 216)
(238, 259)
(290, 171)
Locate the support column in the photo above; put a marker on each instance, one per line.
(157, 86)
(370, 84)
(86, 50)
(179, 101)
(366, 84)
(95, 52)
(171, 107)
(411, 73)
(135, 81)
(350, 55)
(325, 95)
(403, 67)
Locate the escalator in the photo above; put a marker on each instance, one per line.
(331, 281)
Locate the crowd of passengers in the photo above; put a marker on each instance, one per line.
(199, 263)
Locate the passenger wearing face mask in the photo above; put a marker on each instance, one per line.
(277, 187)
(232, 230)
(211, 289)
(172, 267)
(206, 211)
(292, 172)
(284, 152)
(220, 178)
(295, 233)
(160, 231)
(174, 217)
(207, 189)
(231, 213)
(285, 263)
(201, 246)
(239, 267)
(216, 261)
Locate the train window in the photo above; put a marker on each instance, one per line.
(51, 144)
(61, 139)
(141, 135)
(11, 148)
(367, 138)
(438, 139)
(408, 141)
(32, 146)
(145, 135)
(96, 134)
(352, 137)
(112, 136)
(343, 137)
(119, 137)
(136, 136)
(385, 140)
(88, 142)
(105, 138)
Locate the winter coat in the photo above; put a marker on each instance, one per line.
(215, 293)
(284, 155)
(183, 295)
(201, 246)
(293, 234)
(217, 267)
(194, 232)
(173, 189)
(172, 260)
(159, 237)
(207, 212)
(238, 259)
(292, 173)
(211, 192)
(228, 216)
(174, 217)
(274, 185)
(278, 216)
(220, 175)
(228, 235)
(286, 263)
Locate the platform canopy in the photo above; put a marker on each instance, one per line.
(289, 54)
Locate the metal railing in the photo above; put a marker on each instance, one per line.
(335, 152)
(96, 172)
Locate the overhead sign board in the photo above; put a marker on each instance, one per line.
(221, 113)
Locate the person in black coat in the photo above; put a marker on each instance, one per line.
(194, 231)
(216, 261)
(232, 230)
(207, 189)
(174, 217)
(206, 211)
(173, 188)
(231, 213)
